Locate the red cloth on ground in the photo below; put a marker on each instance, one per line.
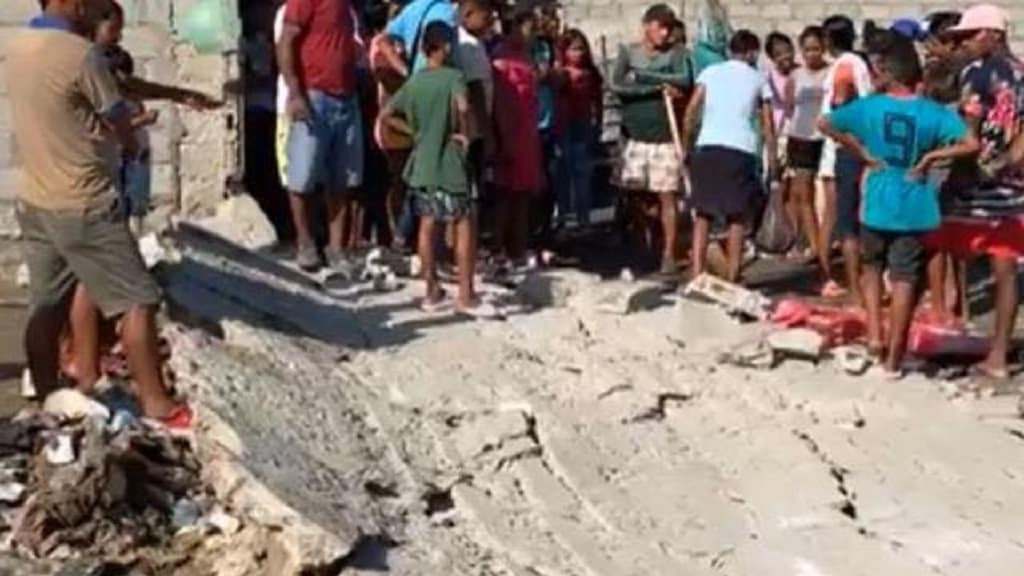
(963, 237)
(928, 337)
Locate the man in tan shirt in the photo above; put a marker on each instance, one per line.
(68, 119)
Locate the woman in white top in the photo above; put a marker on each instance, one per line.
(805, 95)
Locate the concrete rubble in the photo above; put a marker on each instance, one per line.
(344, 431)
(367, 436)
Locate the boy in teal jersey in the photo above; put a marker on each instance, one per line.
(898, 135)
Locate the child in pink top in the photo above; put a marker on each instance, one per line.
(518, 168)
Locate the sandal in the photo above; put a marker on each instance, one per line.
(178, 421)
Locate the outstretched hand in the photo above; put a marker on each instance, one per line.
(200, 101)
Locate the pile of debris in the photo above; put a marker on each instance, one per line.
(78, 483)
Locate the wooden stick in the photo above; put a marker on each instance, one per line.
(673, 124)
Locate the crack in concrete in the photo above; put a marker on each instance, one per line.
(659, 411)
(846, 505)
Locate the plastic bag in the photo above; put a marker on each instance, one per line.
(776, 234)
(211, 26)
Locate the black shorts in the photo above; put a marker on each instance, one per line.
(849, 170)
(724, 181)
(902, 253)
(804, 155)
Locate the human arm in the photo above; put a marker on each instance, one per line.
(463, 118)
(837, 131)
(677, 79)
(297, 15)
(96, 83)
(141, 89)
(476, 96)
(957, 142)
(771, 142)
(1017, 151)
(144, 119)
(624, 78)
(691, 118)
(393, 114)
(789, 97)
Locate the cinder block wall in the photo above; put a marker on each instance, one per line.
(194, 154)
(618, 21)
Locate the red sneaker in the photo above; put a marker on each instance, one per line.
(178, 421)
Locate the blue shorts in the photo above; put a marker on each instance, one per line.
(849, 170)
(328, 148)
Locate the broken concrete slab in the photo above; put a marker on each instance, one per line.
(799, 343)
(555, 288)
(734, 298)
(624, 298)
(240, 220)
(70, 403)
(755, 354)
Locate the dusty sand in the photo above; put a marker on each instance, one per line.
(566, 441)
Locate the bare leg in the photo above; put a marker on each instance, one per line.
(425, 246)
(1005, 271)
(138, 336)
(904, 296)
(669, 228)
(300, 218)
(791, 201)
(873, 303)
(85, 339)
(356, 220)
(851, 264)
(701, 233)
(465, 259)
(802, 188)
(734, 250)
(338, 214)
(41, 345)
(828, 224)
(937, 284)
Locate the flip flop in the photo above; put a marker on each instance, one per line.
(981, 380)
(481, 311)
(439, 305)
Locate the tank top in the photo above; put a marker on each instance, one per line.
(808, 98)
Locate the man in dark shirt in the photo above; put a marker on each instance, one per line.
(644, 74)
(989, 190)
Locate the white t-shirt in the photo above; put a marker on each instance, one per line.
(472, 59)
(282, 87)
(733, 93)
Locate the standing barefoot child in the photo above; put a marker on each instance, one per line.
(518, 170)
(432, 107)
(580, 112)
(898, 135)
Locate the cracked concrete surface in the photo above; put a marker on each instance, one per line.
(567, 441)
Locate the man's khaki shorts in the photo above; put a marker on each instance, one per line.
(650, 167)
(93, 247)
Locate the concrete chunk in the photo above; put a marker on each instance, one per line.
(555, 288)
(240, 220)
(797, 343)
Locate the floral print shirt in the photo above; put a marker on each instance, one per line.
(993, 97)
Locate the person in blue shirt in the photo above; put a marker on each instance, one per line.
(408, 26)
(898, 135)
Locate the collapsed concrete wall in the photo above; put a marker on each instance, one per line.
(194, 153)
